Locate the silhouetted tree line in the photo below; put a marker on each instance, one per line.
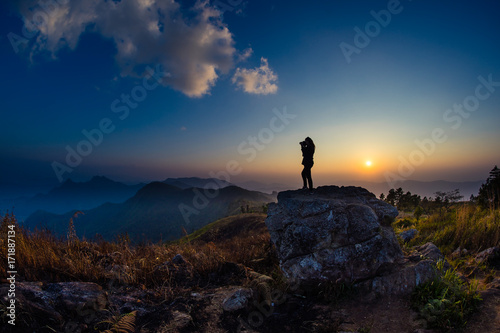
(487, 198)
(489, 193)
(413, 202)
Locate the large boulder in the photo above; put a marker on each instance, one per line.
(340, 234)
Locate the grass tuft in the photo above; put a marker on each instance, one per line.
(447, 301)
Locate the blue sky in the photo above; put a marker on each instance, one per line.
(224, 72)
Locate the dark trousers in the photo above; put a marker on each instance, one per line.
(306, 176)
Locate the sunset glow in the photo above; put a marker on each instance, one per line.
(159, 97)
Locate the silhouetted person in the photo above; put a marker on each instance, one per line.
(307, 147)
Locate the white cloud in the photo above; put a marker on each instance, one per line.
(245, 54)
(193, 46)
(261, 80)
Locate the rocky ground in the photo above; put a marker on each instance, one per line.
(236, 299)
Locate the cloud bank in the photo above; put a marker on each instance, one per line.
(193, 45)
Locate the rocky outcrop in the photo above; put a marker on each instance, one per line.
(344, 235)
(338, 234)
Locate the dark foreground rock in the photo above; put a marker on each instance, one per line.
(490, 257)
(235, 295)
(342, 235)
(62, 307)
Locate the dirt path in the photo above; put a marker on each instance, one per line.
(382, 315)
(395, 315)
(487, 320)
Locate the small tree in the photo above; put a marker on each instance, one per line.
(418, 212)
(447, 198)
(394, 196)
(489, 193)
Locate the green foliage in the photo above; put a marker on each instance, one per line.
(265, 208)
(404, 223)
(489, 193)
(418, 212)
(403, 201)
(464, 225)
(408, 202)
(446, 302)
(445, 199)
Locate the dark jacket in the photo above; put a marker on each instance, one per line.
(307, 153)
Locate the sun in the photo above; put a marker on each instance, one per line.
(368, 163)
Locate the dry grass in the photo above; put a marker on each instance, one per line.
(40, 256)
(477, 229)
(465, 225)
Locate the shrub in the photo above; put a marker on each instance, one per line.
(446, 302)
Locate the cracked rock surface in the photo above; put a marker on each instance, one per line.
(340, 234)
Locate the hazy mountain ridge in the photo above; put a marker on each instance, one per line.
(153, 213)
(72, 195)
(99, 190)
(86, 195)
(264, 187)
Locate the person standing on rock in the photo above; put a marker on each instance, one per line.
(307, 146)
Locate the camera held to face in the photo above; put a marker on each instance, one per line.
(303, 144)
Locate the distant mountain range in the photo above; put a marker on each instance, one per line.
(74, 195)
(152, 210)
(264, 187)
(158, 211)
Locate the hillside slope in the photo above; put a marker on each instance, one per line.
(157, 212)
(241, 225)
